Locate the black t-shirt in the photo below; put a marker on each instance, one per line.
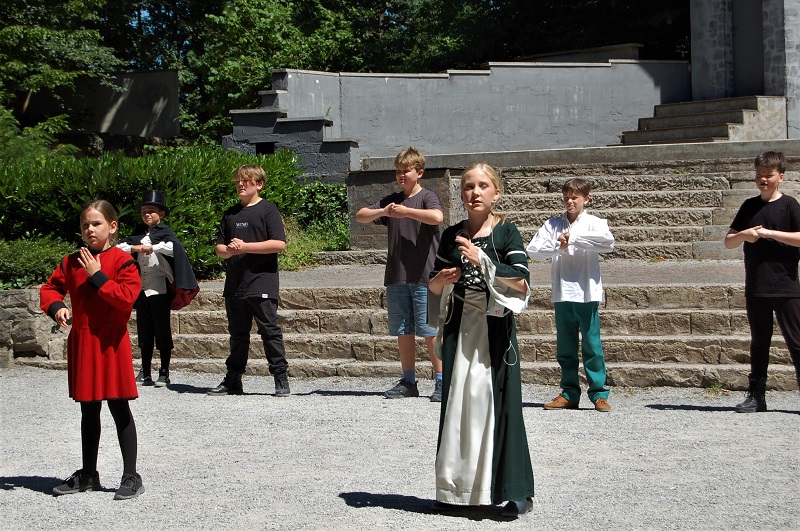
(770, 266)
(251, 275)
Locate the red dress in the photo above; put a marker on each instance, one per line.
(99, 359)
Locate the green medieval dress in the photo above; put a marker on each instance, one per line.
(482, 455)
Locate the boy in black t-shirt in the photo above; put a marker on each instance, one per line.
(769, 228)
(249, 239)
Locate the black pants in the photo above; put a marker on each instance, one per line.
(153, 326)
(759, 315)
(241, 312)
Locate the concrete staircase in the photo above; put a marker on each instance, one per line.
(730, 119)
(653, 216)
(661, 326)
(275, 126)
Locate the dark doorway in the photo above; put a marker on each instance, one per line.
(748, 48)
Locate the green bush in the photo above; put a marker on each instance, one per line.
(197, 182)
(26, 262)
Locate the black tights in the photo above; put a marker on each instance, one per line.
(90, 433)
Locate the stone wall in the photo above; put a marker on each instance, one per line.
(25, 331)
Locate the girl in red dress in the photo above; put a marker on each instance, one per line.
(103, 283)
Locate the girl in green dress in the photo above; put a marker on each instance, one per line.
(480, 280)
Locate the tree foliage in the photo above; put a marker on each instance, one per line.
(47, 46)
(224, 49)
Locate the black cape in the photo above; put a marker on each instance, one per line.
(185, 287)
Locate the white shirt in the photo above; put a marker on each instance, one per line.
(575, 275)
(155, 269)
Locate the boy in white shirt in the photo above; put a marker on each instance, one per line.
(573, 241)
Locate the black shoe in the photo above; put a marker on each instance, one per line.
(513, 509)
(130, 487)
(163, 378)
(403, 389)
(436, 396)
(755, 399)
(282, 385)
(144, 378)
(226, 387)
(78, 482)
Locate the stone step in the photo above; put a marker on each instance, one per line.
(704, 106)
(731, 376)
(520, 183)
(641, 234)
(686, 133)
(624, 217)
(698, 250)
(702, 118)
(673, 294)
(535, 321)
(618, 200)
(705, 349)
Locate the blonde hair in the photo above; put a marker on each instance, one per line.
(250, 172)
(107, 210)
(493, 176)
(410, 158)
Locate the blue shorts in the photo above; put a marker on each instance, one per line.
(407, 305)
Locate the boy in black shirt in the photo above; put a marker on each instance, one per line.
(249, 239)
(769, 228)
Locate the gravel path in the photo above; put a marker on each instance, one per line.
(336, 455)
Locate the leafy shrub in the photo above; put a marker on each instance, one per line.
(197, 183)
(25, 262)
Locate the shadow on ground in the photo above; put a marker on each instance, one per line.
(693, 407)
(41, 484)
(412, 504)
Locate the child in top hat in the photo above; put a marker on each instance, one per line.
(168, 283)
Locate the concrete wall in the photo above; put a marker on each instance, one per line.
(310, 94)
(791, 57)
(510, 106)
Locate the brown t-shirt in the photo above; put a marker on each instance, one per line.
(412, 244)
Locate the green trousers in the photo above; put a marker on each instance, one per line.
(574, 320)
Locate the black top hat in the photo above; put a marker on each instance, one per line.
(155, 198)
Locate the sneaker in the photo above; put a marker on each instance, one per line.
(602, 405)
(437, 392)
(144, 378)
(78, 482)
(162, 381)
(403, 389)
(130, 487)
(282, 385)
(514, 509)
(560, 402)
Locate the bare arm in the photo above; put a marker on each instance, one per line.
(237, 247)
(428, 216)
(368, 215)
(735, 238)
(789, 238)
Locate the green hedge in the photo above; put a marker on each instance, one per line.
(45, 201)
(25, 262)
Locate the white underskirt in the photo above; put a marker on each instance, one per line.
(464, 460)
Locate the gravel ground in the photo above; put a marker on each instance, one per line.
(336, 455)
